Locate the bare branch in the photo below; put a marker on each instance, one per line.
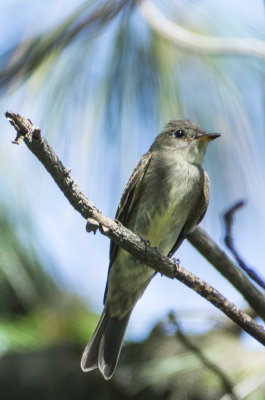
(190, 345)
(196, 42)
(228, 218)
(121, 235)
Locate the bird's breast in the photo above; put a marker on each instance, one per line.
(166, 201)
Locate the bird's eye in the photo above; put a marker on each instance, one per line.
(178, 134)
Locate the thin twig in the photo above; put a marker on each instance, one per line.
(224, 378)
(218, 258)
(121, 235)
(228, 218)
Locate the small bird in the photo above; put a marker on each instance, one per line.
(165, 197)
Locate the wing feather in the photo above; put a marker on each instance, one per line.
(127, 202)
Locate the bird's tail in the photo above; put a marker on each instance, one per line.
(104, 347)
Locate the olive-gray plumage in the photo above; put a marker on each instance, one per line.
(165, 197)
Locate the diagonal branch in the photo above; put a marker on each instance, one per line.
(118, 233)
(217, 257)
(198, 351)
(29, 54)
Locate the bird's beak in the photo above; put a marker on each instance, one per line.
(207, 137)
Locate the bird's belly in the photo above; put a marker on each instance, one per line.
(128, 276)
(162, 220)
(164, 228)
(159, 218)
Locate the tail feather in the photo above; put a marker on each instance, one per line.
(104, 347)
(110, 345)
(89, 359)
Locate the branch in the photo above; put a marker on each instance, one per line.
(190, 345)
(217, 257)
(196, 42)
(228, 218)
(28, 55)
(118, 233)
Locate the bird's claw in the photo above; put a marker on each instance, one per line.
(146, 243)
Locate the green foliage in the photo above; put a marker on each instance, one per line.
(65, 322)
(34, 312)
(23, 283)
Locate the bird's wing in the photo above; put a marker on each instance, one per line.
(196, 216)
(127, 202)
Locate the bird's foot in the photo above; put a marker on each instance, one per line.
(146, 243)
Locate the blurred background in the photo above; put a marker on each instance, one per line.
(101, 79)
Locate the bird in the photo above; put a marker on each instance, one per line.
(165, 198)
